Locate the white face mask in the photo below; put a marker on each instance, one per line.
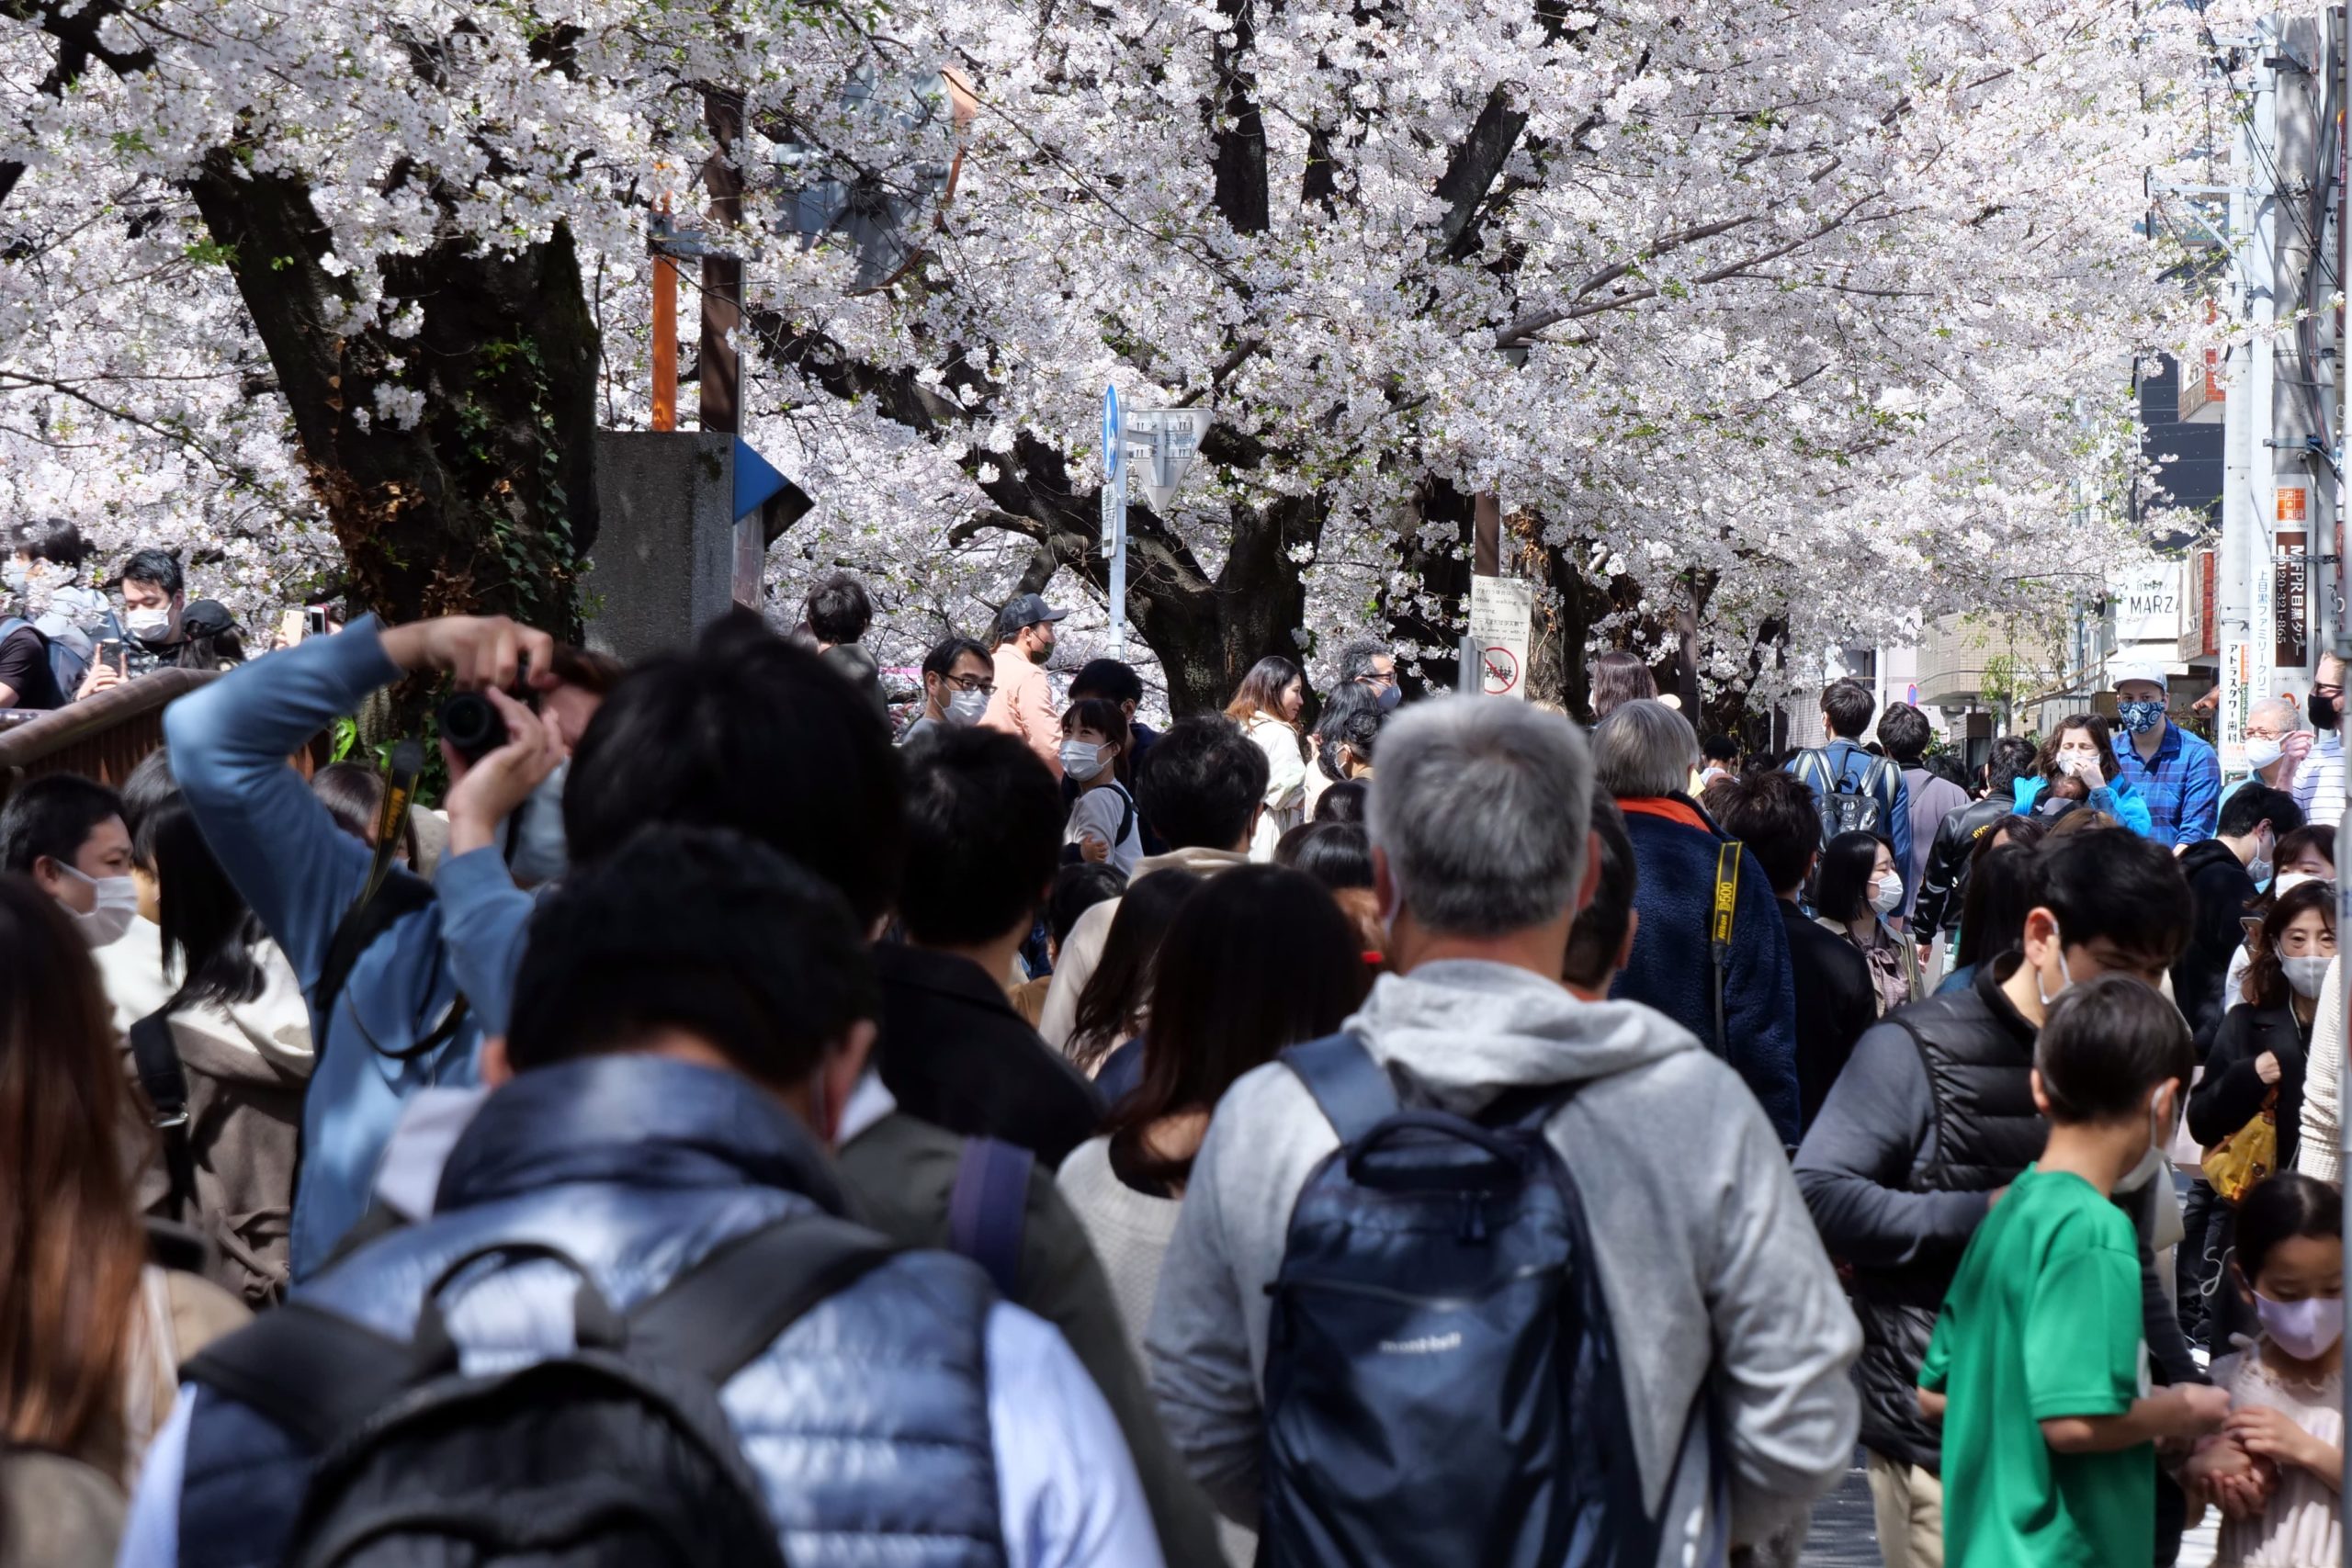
(16, 573)
(2066, 977)
(1889, 896)
(2083, 764)
(2306, 974)
(1080, 760)
(2261, 750)
(117, 902)
(147, 625)
(2260, 867)
(965, 708)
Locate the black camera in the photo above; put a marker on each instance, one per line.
(472, 726)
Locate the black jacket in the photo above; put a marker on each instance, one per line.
(1944, 890)
(2233, 1092)
(954, 1053)
(2218, 891)
(1835, 1001)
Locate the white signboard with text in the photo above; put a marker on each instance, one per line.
(1502, 617)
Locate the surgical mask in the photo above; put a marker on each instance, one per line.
(1390, 695)
(16, 573)
(2084, 762)
(148, 626)
(2325, 710)
(2307, 1329)
(117, 902)
(1042, 656)
(537, 831)
(1080, 760)
(2261, 750)
(964, 708)
(2306, 974)
(2140, 717)
(2065, 975)
(2260, 866)
(1889, 896)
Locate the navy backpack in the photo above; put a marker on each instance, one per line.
(1442, 1384)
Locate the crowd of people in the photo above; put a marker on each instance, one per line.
(63, 639)
(1336, 1130)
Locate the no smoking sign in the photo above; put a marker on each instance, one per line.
(1499, 671)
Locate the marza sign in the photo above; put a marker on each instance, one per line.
(2147, 600)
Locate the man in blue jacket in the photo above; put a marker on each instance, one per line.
(689, 1028)
(1842, 767)
(2176, 772)
(1643, 753)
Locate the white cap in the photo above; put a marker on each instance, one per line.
(2152, 673)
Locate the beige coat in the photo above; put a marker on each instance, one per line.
(1084, 951)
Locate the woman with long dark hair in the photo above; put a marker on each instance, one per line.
(1117, 998)
(1267, 706)
(93, 1334)
(1618, 678)
(1345, 733)
(1854, 889)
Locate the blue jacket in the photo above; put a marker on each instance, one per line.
(2181, 783)
(910, 1419)
(1848, 766)
(2118, 800)
(1674, 854)
(300, 872)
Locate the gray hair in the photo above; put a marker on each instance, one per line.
(1483, 807)
(1355, 658)
(1644, 748)
(2279, 708)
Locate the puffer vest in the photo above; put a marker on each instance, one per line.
(1977, 1053)
(867, 1422)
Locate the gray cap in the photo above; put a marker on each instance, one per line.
(1026, 610)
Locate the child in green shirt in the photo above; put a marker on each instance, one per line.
(2038, 1369)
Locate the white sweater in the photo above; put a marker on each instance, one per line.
(2322, 1151)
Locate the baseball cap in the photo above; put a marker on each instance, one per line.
(1027, 610)
(2152, 673)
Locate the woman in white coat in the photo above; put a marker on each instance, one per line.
(1267, 706)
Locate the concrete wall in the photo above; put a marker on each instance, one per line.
(663, 565)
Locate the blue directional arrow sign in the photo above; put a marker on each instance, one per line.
(756, 480)
(1111, 443)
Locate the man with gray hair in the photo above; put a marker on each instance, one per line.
(1728, 983)
(1715, 1287)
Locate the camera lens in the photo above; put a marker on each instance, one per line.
(472, 726)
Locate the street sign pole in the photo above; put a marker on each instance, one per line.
(1114, 516)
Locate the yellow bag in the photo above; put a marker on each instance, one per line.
(2248, 1157)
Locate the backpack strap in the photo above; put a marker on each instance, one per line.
(156, 1057)
(1127, 814)
(314, 1373)
(1721, 917)
(1349, 1087)
(987, 1211)
(716, 1317)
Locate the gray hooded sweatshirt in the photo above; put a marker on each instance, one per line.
(1706, 1253)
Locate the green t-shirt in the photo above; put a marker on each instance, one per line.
(2043, 1320)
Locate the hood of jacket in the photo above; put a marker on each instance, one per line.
(2209, 856)
(1467, 1029)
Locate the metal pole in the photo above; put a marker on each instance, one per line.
(665, 343)
(2340, 69)
(1118, 504)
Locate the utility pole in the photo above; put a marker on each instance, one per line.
(2247, 478)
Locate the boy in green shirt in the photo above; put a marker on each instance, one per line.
(2038, 1369)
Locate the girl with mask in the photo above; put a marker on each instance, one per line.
(2080, 747)
(1102, 824)
(1855, 889)
(2273, 1468)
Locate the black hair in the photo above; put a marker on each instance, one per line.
(2320, 836)
(1774, 815)
(2289, 1204)
(2254, 803)
(1906, 732)
(1337, 854)
(1723, 749)
(692, 928)
(1618, 678)
(158, 568)
(209, 934)
(1356, 657)
(50, 539)
(2108, 1042)
(984, 832)
(1200, 783)
(2116, 885)
(1351, 717)
(1599, 934)
(353, 793)
(2265, 976)
(1219, 1008)
(1108, 678)
(150, 784)
(1999, 894)
(944, 653)
(1078, 888)
(2011, 759)
(749, 732)
(1946, 766)
(1109, 721)
(1343, 802)
(52, 816)
(1119, 990)
(1261, 688)
(838, 609)
(1841, 886)
(1848, 705)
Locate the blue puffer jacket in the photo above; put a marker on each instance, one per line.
(867, 1421)
(2118, 800)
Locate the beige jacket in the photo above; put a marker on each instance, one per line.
(1084, 951)
(1023, 706)
(2321, 1153)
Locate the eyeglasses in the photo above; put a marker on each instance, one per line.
(973, 683)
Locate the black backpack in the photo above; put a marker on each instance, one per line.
(1848, 804)
(615, 1453)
